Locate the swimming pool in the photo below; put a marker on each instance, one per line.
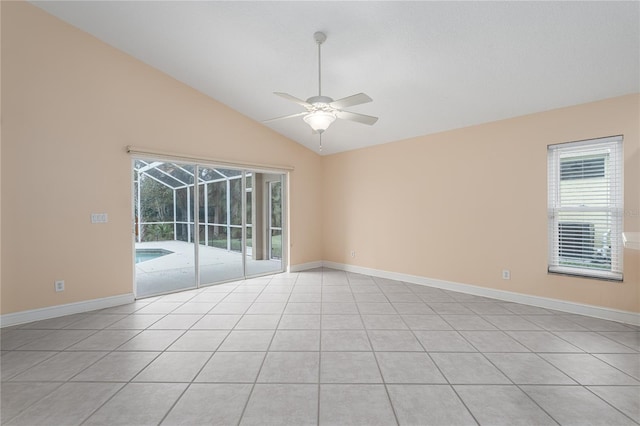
(142, 255)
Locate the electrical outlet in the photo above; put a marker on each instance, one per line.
(353, 253)
(506, 274)
(59, 285)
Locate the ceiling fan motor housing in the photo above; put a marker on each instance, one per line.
(314, 100)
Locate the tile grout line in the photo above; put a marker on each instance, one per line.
(130, 381)
(586, 387)
(190, 383)
(266, 353)
(519, 387)
(16, 415)
(585, 352)
(160, 353)
(497, 368)
(69, 380)
(124, 384)
(57, 352)
(320, 350)
(554, 332)
(375, 357)
(537, 354)
(599, 333)
(464, 404)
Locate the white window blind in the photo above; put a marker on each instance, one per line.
(585, 208)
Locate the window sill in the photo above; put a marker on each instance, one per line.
(588, 274)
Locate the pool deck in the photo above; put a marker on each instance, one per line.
(176, 271)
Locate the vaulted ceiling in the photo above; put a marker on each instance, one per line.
(429, 66)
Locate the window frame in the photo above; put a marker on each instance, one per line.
(611, 149)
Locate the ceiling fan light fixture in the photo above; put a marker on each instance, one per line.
(319, 120)
(321, 110)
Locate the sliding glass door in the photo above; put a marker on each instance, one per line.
(220, 249)
(164, 208)
(265, 224)
(206, 225)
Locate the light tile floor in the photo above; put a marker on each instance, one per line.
(320, 347)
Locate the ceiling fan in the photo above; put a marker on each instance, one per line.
(321, 111)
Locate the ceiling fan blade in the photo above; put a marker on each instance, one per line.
(293, 99)
(360, 118)
(286, 116)
(352, 100)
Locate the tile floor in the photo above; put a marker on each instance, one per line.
(321, 347)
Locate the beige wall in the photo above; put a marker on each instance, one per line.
(463, 205)
(70, 104)
(445, 206)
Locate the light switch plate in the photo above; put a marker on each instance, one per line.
(99, 218)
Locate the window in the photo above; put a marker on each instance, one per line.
(586, 208)
(582, 168)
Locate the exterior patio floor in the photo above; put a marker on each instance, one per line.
(176, 271)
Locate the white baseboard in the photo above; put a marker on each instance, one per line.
(31, 315)
(306, 266)
(542, 302)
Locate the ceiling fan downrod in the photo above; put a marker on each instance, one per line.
(320, 38)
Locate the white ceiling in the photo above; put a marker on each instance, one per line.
(429, 66)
